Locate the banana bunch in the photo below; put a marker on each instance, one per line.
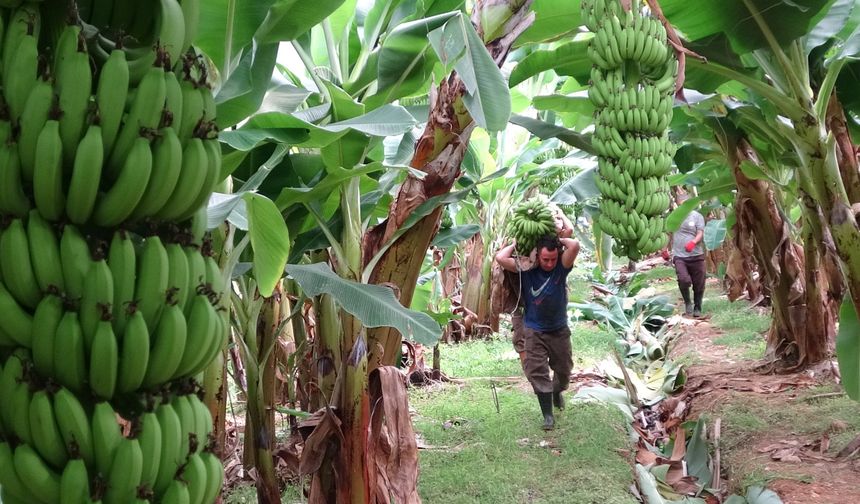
(75, 450)
(111, 299)
(632, 86)
(532, 219)
(132, 139)
(129, 315)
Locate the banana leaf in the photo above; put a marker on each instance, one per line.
(373, 305)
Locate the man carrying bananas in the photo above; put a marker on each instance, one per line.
(512, 297)
(545, 331)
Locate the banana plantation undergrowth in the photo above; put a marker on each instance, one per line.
(479, 435)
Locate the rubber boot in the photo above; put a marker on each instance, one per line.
(558, 400)
(697, 303)
(545, 400)
(688, 306)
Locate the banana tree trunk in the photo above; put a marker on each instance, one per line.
(260, 417)
(473, 281)
(439, 153)
(829, 185)
(803, 324)
(846, 154)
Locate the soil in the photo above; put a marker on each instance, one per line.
(805, 474)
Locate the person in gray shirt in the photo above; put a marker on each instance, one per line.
(688, 253)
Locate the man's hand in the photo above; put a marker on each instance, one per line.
(690, 246)
(563, 226)
(665, 254)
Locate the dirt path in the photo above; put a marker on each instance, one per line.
(790, 454)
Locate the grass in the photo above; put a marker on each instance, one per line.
(480, 456)
(743, 327)
(747, 419)
(247, 494)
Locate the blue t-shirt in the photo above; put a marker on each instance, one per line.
(545, 296)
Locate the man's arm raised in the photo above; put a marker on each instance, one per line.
(571, 250)
(505, 258)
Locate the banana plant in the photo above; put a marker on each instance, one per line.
(794, 63)
(336, 170)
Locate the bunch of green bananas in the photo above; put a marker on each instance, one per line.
(136, 141)
(70, 450)
(632, 87)
(532, 219)
(113, 303)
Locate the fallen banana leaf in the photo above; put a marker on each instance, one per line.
(611, 395)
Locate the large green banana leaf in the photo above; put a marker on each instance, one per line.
(374, 305)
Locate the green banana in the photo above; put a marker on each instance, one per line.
(194, 474)
(122, 261)
(9, 479)
(96, 299)
(191, 15)
(192, 104)
(150, 445)
(75, 483)
(199, 224)
(170, 34)
(45, 254)
(42, 482)
(66, 47)
(214, 476)
(74, 425)
(166, 169)
(171, 439)
(86, 176)
(202, 328)
(74, 84)
(172, 102)
(176, 493)
(45, 432)
(125, 473)
(203, 421)
(70, 365)
(178, 281)
(11, 376)
(213, 175)
(33, 119)
(48, 171)
(152, 277)
(169, 343)
(75, 260)
(145, 114)
(134, 355)
(24, 21)
(192, 180)
(120, 200)
(106, 436)
(13, 200)
(185, 413)
(17, 267)
(21, 77)
(17, 399)
(111, 94)
(46, 319)
(104, 361)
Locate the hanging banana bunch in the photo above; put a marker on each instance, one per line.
(632, 88)
(112, 304)
(532, 219)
